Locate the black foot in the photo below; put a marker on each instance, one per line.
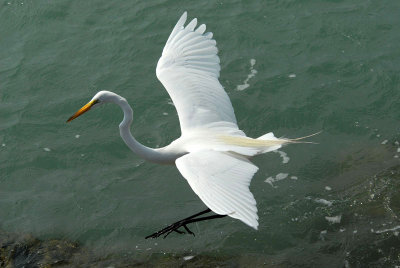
(172, 228)
(183, 223)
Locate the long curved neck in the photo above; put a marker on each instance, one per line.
(150, 154)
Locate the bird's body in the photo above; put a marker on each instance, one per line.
(213, 154)
(217, 137)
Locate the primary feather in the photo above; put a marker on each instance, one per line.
(189, 70)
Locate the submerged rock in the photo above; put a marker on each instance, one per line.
(27, 251)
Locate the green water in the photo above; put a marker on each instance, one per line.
(309, 65)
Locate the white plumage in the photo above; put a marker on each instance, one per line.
(189, 70)
(212, 152)
(222, 180)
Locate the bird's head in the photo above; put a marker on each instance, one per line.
(100, 98)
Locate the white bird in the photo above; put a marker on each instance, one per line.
(212, 153)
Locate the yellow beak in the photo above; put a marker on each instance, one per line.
(82, 110)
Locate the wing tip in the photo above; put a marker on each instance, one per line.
(184, 15)
(253, 224)
(182, 19)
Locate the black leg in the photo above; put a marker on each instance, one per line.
(182, 223)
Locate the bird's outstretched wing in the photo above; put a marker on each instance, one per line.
(189, 70)
(222, 180)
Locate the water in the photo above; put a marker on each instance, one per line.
(291, 67)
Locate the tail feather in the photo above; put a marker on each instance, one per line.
(268, 136)
(273, 143)
(270, 142)
(264, 144)
(297, 140)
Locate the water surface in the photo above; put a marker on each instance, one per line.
(291, 67)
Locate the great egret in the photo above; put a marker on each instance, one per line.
(212, 153)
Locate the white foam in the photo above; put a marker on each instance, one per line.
(252, 73)
(285, 158)
(77, 136)
(47, 149)
(164, 113)
(281, 176)
(328, 188)
(388, 230)
(322, 234)
(323, 202)
(270, 180)
(3, 144)
(187, 258)
(170, 102)
(293, 177)
(398, 149)
(384, 142)
(292, 75)
(278, 177)
(334, 219)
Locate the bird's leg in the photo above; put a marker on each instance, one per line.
(196, 220)
(174, 227)
(182, 223)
